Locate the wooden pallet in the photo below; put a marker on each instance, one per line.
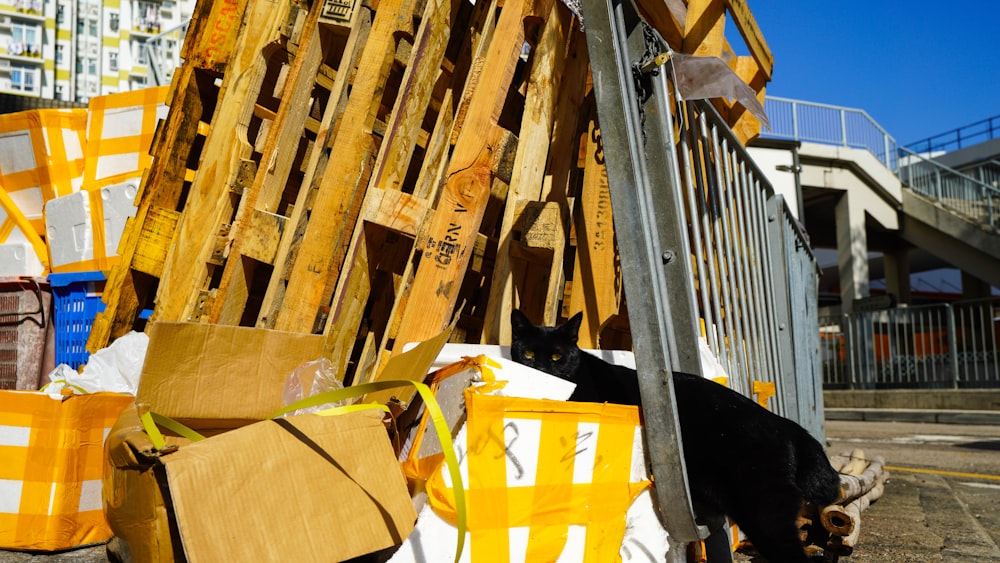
(370, 175)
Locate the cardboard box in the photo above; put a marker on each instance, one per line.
(304, 488)
(50, 476)
(220, 377)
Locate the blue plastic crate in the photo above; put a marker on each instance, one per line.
(76, 298)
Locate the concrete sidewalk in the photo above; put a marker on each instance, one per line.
(939, 416)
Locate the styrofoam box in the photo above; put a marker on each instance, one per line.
(69, 224)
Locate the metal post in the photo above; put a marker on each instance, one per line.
(952, 344)
(843, 127)
(654, 251)
(795, 120)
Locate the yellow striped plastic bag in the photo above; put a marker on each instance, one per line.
(41, 158)
(53, 461)
(120, 133)
(545, 480)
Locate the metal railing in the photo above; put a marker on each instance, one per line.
(827, 124)
(755, 275)
(955, 139)
(954, 190)
(942, 346)
(964, 194)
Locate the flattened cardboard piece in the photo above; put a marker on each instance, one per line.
(304, 488)
(216, 376)
(411, 365)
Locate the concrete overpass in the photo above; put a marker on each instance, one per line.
(850, 201)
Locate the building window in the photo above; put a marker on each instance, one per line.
(113, 22)
(24, 40)
(60, 54)
(59, 92)
(23, 78)
(139, 48)
(80, 26)
(92, 28)
(113, 61)
(91, 66)
(79, 65)
(60, 14)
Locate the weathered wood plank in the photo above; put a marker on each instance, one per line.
(263, 197)
(207, 49)
(596, 280)
(403, 129)
(345, 178)
(383, 210)
(544, 81)
(455, 224)
(209, 203)
(315, 165)
(704, 30)
(751, 33)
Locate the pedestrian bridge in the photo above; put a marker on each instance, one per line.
(859, 193)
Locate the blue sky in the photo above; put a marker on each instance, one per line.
(918, 68)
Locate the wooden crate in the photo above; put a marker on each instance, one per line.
(368, 173)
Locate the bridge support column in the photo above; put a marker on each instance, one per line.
(973, 287)
(852, 251)
(896, 264)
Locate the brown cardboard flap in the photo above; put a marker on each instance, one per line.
(199, 372)
(305, 488)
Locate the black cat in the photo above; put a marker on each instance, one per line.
(742, 460)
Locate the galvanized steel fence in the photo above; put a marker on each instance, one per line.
(943, 346)
(755, 275)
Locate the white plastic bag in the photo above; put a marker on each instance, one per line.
(116, 368)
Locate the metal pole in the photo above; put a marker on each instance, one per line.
(652, 251)
(952, 344)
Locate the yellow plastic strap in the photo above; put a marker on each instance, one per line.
(152, 431)
(351, 408)
(440, 427)
(151, 421)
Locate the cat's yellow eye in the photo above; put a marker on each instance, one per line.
(556, 357)
(529, 354)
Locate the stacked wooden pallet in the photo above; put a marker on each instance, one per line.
(367, 170)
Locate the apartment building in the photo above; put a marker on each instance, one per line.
(73, 50)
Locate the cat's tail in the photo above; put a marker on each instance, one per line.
(816, 478)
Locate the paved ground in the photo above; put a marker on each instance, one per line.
(940, 504)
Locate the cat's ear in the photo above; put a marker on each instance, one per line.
(519, 324)
(572, 327)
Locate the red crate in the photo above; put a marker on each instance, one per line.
(25, 317)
